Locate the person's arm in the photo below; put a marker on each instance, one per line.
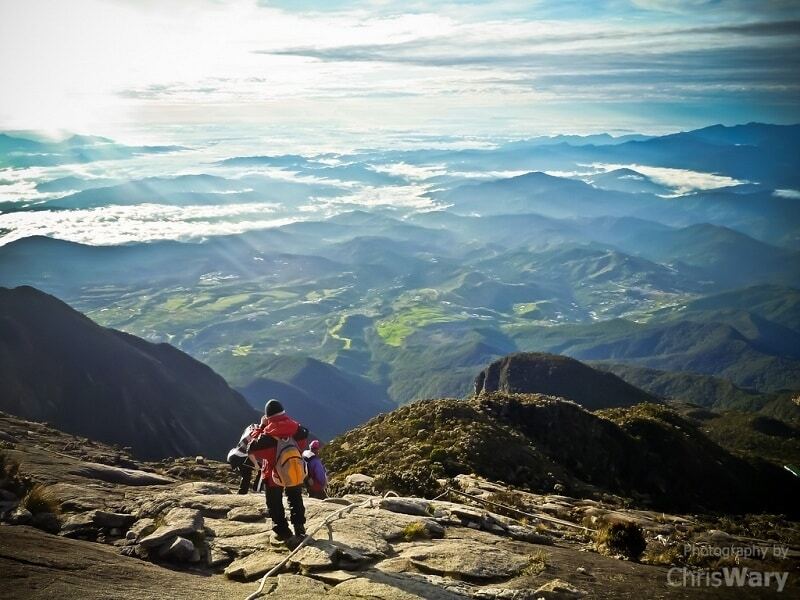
(301, 437)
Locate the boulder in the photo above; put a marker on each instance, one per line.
(112, 520)
(141, 528)
(254, 566)
(20, 516)
(216, 558)
(359, 479)
(408, 506)
(324, 554)
(527, 534)
(333, 577)
(46, 521)
(177, 522)
(80, 525)
(179, 550)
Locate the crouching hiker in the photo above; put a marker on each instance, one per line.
(317, 479)
(278, 445)
(243, 464)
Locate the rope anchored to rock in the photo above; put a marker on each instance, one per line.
(326, 522)
(539, 516)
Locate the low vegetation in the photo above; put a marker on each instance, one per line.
(415, 531)
(11, 479)
(539, 560)
(648, 454)
(620, 539)
(41, 499)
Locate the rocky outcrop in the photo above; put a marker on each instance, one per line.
(647, 453)
(555, 375)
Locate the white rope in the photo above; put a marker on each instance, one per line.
(326, 522)
(520, 512)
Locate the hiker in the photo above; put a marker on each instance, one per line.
(278, 444)
(317, 476)
(242, 463)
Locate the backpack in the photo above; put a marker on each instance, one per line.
(317, 476)
(290, 468)
(238, 455)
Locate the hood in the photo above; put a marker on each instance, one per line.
(281, 426)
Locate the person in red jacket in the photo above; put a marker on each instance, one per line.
(277, 424)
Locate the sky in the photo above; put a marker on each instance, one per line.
(128, 68)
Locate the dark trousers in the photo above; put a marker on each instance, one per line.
(246, 471)
(297, 512)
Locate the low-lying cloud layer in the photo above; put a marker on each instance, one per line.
(111, 225)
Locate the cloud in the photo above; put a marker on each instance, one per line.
(682, 181)
(111, 225)
(787, 193)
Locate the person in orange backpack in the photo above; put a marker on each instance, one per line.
(278, 444)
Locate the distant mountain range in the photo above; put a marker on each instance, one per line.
(20, 152)
(326, 399)
(409, 271)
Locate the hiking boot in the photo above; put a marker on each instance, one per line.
(294, 541)
(282, 533)
(300, 531)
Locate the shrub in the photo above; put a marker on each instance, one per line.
(439, 455)
(41, 499)
(414, 482)
(10, 478)
(620, 539)
(415, 531)
(538, 563)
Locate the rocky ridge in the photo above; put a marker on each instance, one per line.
(218, 544)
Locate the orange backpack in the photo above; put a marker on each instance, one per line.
(290, 469)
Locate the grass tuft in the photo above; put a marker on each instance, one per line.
(415, 531)
(538, 563)
(41, 499)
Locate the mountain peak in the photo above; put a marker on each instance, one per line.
(556, 375)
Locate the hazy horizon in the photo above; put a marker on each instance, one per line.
(358, 72)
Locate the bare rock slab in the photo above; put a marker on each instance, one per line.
(391, 586)
(471, 562)
(558, 589)
(254, 566)
(118, 475)
(178, 522)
